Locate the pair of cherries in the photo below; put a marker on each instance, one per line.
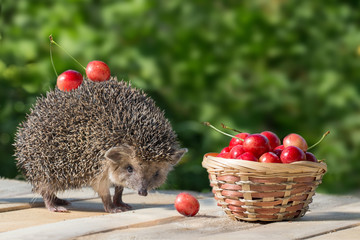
(96, 71)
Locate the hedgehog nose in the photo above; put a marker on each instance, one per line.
(143, 192)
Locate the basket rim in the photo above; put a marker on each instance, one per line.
(213, 163)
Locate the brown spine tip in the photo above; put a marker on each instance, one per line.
(232, 129)
(206, 123)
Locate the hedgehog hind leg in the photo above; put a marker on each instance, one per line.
(53, 203)
(61, 202)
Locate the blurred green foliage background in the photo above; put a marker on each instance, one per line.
(284, 66)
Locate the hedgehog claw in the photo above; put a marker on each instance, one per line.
(57, 209)
(124, 207)
(119, 207)
(115, 210)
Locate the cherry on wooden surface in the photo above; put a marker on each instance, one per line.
(186, 204)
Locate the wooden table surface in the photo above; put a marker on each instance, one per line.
(23, 216)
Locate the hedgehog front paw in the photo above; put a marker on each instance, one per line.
(116, 210)
(118, 207)
(125, 207)
(55, 208)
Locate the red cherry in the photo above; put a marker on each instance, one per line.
(294, 139)
(310, 157)
(277, 152)
(292, 154)
(257, 144)
(274, 140)
(237, 141)
(281, 147)
(269, 157)
(236, 151)
(223, 155)
(98, 71)
(186, 204)
(225, 150)
(248, 156)
(69, 80)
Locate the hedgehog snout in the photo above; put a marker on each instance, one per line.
(143, 192)
(143, 187)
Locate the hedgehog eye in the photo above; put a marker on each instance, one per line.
(157, 174)
(130, 169)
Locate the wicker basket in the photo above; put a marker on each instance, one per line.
(254, 191)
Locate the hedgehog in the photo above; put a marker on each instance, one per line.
(102, 135)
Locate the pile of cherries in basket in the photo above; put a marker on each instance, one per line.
(266, 147)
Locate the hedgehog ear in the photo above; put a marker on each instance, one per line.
(115, 154)
(175, 158)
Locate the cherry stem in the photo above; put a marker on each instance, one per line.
(322, 138)
(229, 135)
(52, 61)
(232, 129)
(53, 42)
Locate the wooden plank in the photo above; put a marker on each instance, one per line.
(313, 223)
(38, 216)
(17, 195)
(208, 222)
(11, 188)
(351, 233)
(80, 226)
(98, 224)
(7, 207)
(154, 217)
(205, 227)
(211, 223)
(78, 209)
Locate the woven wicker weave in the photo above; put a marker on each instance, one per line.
(254, 191)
